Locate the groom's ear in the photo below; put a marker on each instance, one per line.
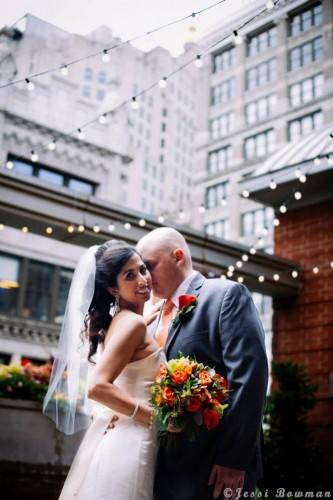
(179, 254)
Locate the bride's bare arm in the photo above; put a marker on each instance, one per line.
(127, 335)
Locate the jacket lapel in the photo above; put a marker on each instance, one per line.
(193, 289)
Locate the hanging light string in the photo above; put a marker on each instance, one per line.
(104, 52)
(133, 100)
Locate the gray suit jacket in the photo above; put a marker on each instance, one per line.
(224, 331)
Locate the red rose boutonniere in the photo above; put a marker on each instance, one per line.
(186, 305)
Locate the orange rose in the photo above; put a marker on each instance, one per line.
(210, 419)
(179, 377)
(168, 395)
(204, 378)
(194, 405)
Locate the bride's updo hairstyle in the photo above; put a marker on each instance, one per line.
(110, 259)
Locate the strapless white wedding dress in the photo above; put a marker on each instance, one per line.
(118, 463)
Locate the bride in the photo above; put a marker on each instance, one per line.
(101, 376)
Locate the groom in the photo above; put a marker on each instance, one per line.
(224, 332)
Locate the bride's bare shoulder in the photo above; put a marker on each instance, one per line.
(127, 322)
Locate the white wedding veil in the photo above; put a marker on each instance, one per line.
(66, 401)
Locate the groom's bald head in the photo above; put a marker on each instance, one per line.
(168, 258)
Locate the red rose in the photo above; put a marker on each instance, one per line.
(210, 419)
(186, 300)
(221, 380)
(194, 405)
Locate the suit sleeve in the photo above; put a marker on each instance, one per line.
(244, 355)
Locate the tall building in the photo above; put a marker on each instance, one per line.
(158, 135)
(261, 94)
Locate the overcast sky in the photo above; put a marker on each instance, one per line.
(127, 18)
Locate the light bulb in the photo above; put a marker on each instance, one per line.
(272, 184)
(80, 134)
(162, 83)
(245, 258)
(102, 119)
(161, 219)
(111, 227)
(253, 251)
(202, 208)
(181, 214)
(245, 193)
(134, 103)
(9, 164)
(283, 209)
(81, 228)
(269, 4)
(96, 228)
(237, 38)
(294, 274)
(64, 70)
(142, 222)
(198, 61)
(239, 264)
(297, 195)
(276, 277)
(276, 222)
(315, 270)
(261, 278)
(317, 161)
(105, 56)
(231, 269)
(25, 229)
(49, 230)
(52, 146)
(127, 226)
(30, 84)
(71, 228)
(302, 178)
(298, 172)
(240, 279)
(34, 156)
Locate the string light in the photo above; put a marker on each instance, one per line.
(34, 156)
(276, 277)
(161, 219)
(270, 4)
(111, 227)
(265, 231)
(64, 70)
(71, 228)
(298, 172)
(239, 264)
(105, 56)
(245, 257)
(297, 195)
(261, 278)
(294, 274)
(224, 202)
(81, 228)
(198, 61)
(102, 119)
(181, 214)
(127, 226)
(2, 227)
(331, 264)
(163, 82)
(272, 184)
(202, 208)
(317, 161)
(96, 228)
(276, 222)
(142, 222)
(134, 103)
(315, 270)
(52, 146)
(30, 84)
(302, 178)
(223, 277)
(9, 164)
(237, 37)
(49, 230)
(253, 251)
(25, 229)
(230, 274)
(283, 209)
(80, 133)
(240, 279)
(245, 193)
(231, 269)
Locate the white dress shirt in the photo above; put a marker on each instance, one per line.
(181, 290)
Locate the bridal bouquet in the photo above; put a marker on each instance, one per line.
(187, 395)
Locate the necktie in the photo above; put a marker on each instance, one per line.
(163, 325)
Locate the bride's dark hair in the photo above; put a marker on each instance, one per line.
(110, 258)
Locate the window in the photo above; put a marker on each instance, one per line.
(216, 194)
(219, 160)
(37, 298)
(223, 92)
(220, 228)
(261, 74)
(255, 221)
(100, 94)
(65, 278)
(304, 125)
(88, 74)
(260, 109)
(222, 125)
(305, 20)
(52, 176)
(9, 284)
(86, 91)
(101, 77)
(305, 54)
(306, 90)
(259, 145)
(261, 41)
(223, 59)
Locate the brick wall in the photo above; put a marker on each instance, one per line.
(303, 326)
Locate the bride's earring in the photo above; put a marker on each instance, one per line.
(115, 308)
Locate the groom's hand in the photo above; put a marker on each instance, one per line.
(224, 478)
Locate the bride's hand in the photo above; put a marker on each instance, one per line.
(173, 428)
(153, 313)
